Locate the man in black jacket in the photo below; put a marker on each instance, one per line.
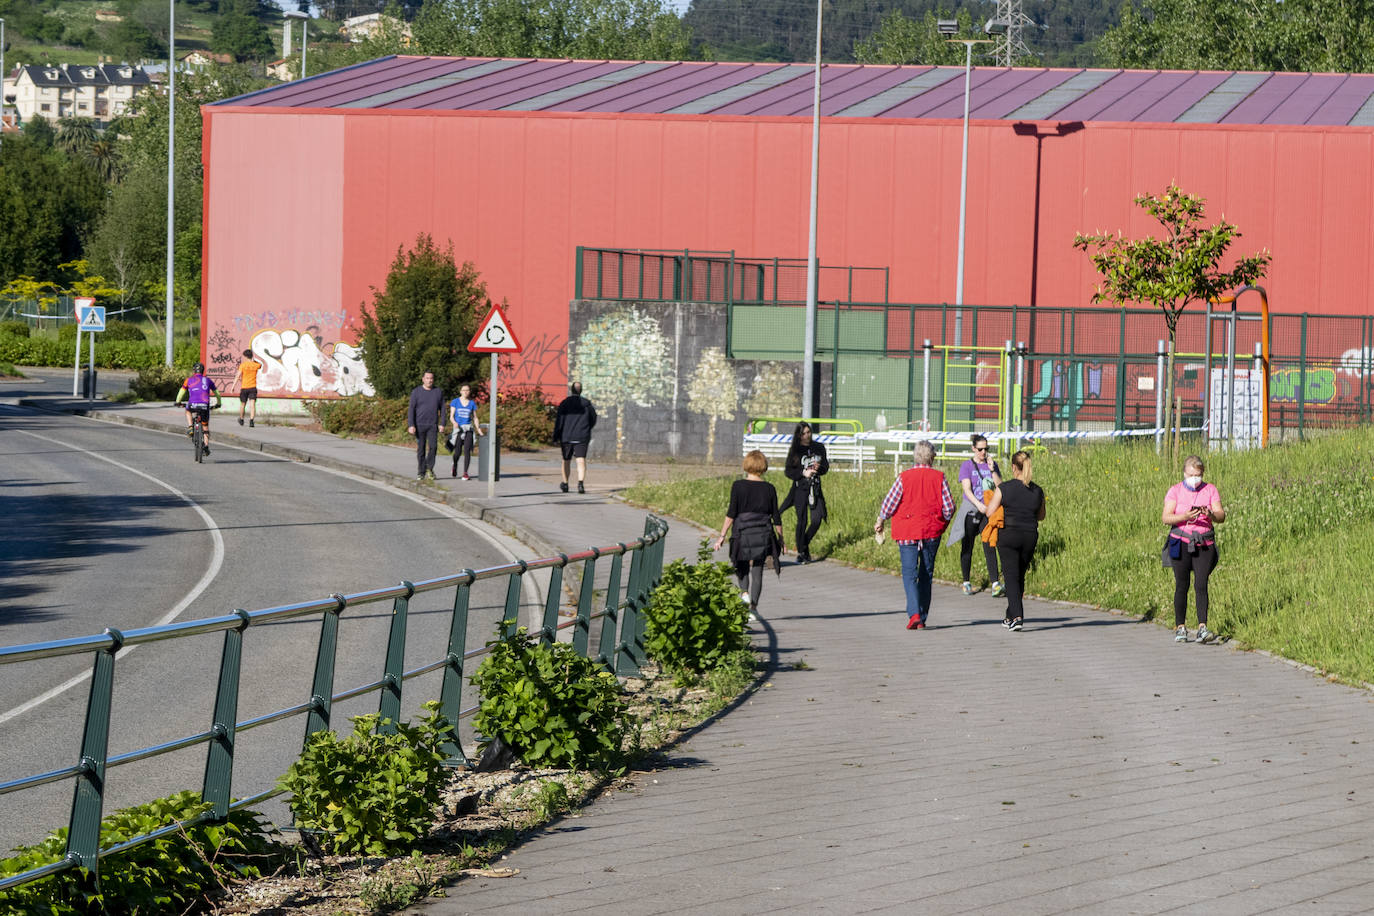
(572, 429)
(425, 420)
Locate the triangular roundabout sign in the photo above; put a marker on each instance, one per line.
(495, 335)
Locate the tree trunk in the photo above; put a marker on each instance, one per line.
(619, 430)
(711, 440)
(1169, 417)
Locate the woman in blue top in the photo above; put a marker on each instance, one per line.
(462, 413)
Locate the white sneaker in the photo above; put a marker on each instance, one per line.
(1205, 635)
(1181, 634)
(744, 596)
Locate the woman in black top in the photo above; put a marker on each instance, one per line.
(757, 524)
(1023, 509)
(806, 464)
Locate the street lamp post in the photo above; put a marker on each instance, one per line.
(305, 25)
(809, 345)
(3, 74)
(949, 27)
(171, 164)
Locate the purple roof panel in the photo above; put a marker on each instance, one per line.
(1183, 96)
(1342, 105)
(880, 79)
(1269, 95)
(612, 97)
(1040, 82)
(694, 88)
(1299, 107)
(723, 77)
(1099, 104)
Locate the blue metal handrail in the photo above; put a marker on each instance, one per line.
(622, 654)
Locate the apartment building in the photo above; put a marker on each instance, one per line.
(97, 91)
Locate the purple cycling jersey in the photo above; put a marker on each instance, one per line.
(198, 388)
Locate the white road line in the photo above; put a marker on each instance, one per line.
(216, 561)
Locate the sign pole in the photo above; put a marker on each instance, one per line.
(491, 431)
(76, 366)
(91, 395)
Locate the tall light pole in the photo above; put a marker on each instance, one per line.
(171, 163)
(949, 27)
(809, 347)
(305, 25)
(3, 74)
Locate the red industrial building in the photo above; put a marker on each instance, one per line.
(311, 187)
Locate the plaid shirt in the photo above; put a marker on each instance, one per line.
(894, 499)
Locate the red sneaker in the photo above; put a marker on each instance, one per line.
(920, 626)
(914, 623)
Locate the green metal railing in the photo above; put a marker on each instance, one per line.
(1077, 368)
(716, 276)
(620, 649)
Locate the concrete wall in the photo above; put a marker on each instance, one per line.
(659, 378)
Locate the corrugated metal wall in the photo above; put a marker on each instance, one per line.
(305, 211)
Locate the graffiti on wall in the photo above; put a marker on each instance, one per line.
(540, 364)
(712, 391)
(247, 324)
(621, 358)
(298, 363)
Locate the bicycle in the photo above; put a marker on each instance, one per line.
(198, 446)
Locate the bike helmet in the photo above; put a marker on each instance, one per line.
(198, 368)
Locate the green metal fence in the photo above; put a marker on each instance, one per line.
(1075, 368)
(620, 648)
(716, 276)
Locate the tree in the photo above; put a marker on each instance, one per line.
(712, 391)
(621, 358)
(48, 202)
(1172, 272)
(1320, 36)
(585, 29)
(241, 33)
(900, 40)
(423, 319)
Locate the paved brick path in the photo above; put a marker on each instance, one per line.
(1087, 764)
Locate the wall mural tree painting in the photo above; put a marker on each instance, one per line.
(712, 392)
(774, 392)
(622, 358)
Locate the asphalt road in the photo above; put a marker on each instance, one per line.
(116, 526)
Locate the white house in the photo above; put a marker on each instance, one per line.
(98, 91)
(356, 28)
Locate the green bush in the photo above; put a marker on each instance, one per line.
(157, 383)
(17, 328)
(359, 415)
(34, 351)
(370, 793)
(122, 330)
(551, 706)
(695, 619)
(110, 354)
(168, 875)
(526, 419)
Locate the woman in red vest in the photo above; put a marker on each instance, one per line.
(920, 506)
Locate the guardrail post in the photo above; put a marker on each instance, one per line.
(610, 623)
(552, 600)
(629, 657)
(510, 618)
(219, 760)
(582, 631)
(88, 801)
(322, 686)
(394, 668)
(451, 690)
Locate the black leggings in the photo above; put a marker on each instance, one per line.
(797, 498)
(972, 532)
(753, 583)
(1200, 565)
(1015, 546)
(466, 440)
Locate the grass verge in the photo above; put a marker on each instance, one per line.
(1296, 575)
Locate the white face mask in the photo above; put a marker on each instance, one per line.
(1193, 482)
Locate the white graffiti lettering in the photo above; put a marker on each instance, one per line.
(293, 362)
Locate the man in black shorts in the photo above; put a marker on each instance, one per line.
(572, 429)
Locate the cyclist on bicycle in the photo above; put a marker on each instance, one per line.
(196, 391)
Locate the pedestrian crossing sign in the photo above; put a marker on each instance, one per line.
(90, 317)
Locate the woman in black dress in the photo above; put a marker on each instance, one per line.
(756, 523)
(806, 464)
(1023, 509)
